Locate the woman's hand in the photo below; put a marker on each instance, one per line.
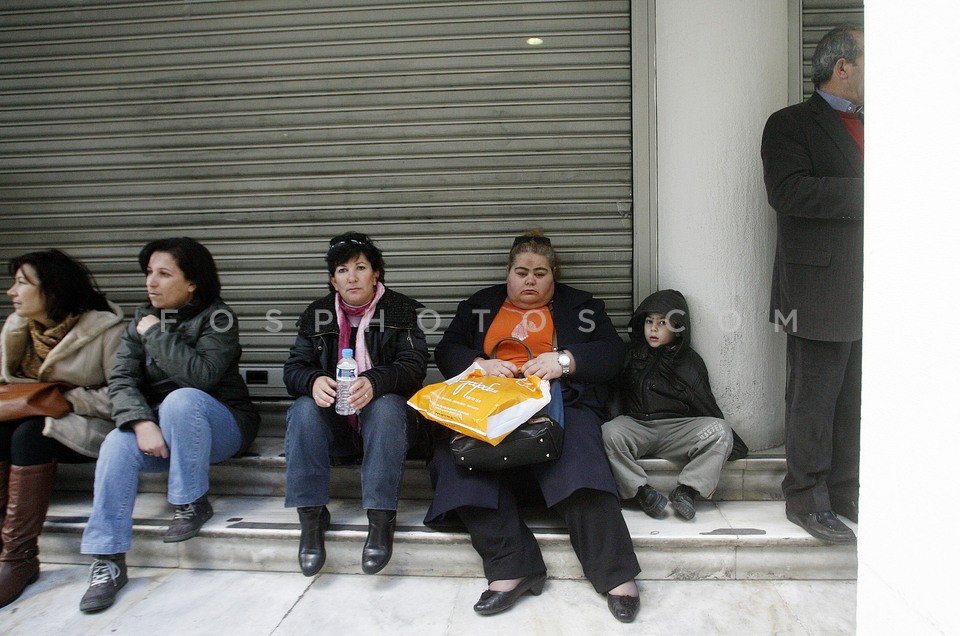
(146, 322)
(324, 391)
(361, 393)
(150, 439)
(500, 368)
(546, 366)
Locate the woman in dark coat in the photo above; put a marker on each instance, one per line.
(179, 404)
(574, 343)
(380, 325)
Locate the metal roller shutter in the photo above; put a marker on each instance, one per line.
(264, 127)
(819, 16)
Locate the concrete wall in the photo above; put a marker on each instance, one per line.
(721, 70)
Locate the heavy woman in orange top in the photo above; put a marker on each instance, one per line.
(574, 343)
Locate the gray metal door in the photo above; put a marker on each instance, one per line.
(264, 127)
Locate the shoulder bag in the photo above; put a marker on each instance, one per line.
(539, 439)
(32, 399)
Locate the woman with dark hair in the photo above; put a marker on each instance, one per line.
(380, 325)
(179, 404)
(573, 343)
(62, 329)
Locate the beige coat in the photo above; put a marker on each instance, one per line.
(83, 358)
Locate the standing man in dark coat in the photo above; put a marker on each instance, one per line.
(813, 170)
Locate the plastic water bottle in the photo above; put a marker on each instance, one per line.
(346, 376)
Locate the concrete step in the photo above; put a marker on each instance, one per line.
(262, 472)
(726, 540)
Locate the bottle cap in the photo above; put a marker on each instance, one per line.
(348, 353)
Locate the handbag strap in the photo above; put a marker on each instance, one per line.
(493, 350)
(555, 408)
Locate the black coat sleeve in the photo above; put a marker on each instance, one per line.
(128, 402)
(456, 350)
(404, 373)
(703, 403)
(796, 183)
(594, 343)
(302, 367)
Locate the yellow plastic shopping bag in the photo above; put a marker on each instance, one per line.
(482, 406)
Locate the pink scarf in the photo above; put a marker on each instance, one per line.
(360, 354)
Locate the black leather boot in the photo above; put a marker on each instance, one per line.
(314, 521)
(379, 546)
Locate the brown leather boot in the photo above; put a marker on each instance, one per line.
(4, 478)
(28, 495)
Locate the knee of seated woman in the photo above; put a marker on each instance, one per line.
(305, 410)
(181, 400)
(119, 441)
(386, 403)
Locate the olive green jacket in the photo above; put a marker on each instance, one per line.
(191, 347)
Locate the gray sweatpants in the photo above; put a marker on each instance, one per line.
(700, 444)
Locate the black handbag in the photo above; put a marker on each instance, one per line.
(539, 439)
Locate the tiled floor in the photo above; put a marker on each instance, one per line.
(185, 602)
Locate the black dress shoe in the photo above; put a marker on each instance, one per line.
(623, 608)
(379, 546)
(824, 525)
(650, 501)
(495, 602)
(849, 508)
(314, 521)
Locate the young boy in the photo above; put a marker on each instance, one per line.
(668, 410)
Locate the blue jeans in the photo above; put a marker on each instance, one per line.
(313, 434)
(198, 430)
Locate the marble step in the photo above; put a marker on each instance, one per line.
(262, 472)
(726, 540)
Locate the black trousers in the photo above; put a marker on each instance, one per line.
(822, 424)
(597, 531)
(22, 443)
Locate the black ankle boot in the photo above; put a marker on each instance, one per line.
(314, 521)
(379, 546)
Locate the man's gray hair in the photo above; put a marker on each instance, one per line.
(839, 42)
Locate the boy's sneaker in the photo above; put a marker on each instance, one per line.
(108, 574)
(682, 499)
(188, 519)
(650, 501)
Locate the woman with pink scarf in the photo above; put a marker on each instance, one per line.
(381, 326)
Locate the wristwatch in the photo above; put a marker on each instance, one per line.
(564, 360)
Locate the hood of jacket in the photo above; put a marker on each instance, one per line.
(670, 303)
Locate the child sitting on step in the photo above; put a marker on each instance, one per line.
(668, 411)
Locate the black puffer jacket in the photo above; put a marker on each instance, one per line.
(397, 347)
(668, 381)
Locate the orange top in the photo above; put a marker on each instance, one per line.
(533, 326)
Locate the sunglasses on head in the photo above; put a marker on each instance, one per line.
(542, 240)
(346, 242)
